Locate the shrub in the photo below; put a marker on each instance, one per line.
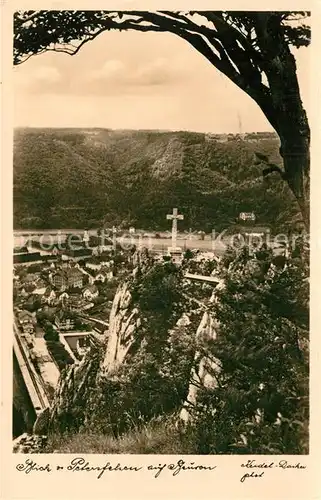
(260, 404)
(59, 353)
(99, 300)
(32, 305)
(159, 291)
(50, 333)
(188, 254)
(34, 268)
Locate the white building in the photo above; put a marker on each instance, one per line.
(90, 292)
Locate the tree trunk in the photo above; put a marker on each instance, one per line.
(292, 126)
(286, 113)
(296, 160)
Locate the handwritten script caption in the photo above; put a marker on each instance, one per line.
(257, 469)
(79, 464)
(251, 468)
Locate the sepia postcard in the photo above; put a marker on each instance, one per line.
(160, 250)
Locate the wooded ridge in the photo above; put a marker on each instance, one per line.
(67, 178)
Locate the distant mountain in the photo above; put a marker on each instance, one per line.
(67, 178)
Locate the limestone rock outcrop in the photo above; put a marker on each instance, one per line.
(74, 394)
(77, 395)
(123, 322)
(204, 367)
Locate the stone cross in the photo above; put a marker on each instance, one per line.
(174, 217)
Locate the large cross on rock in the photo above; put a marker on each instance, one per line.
(174, 217)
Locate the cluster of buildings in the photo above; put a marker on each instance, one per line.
(27, 322)
(64, 293)
(60, 294)
(247, 137)
(23, 255)
(61, 283)
(58, 246)
(61, 289)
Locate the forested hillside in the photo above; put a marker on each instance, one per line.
(69, 178)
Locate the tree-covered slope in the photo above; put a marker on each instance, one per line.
(85, 177)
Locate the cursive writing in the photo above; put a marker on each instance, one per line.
(179, 466)
(79, 464)
(251, 474)
(31, 465)
(250, 464)
(257, 467)
(284, 464)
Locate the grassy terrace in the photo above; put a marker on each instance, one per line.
(157, 437)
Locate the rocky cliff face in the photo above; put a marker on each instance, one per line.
(123, 322)
(204, 367)
(80, 382)
(74, 390)
(201, 373)
(134, 341)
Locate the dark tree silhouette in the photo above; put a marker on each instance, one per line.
(251, 48)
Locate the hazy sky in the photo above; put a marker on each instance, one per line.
(137, 80)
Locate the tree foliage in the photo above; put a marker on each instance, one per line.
(208, 31)
(59, 354)
(51, 333)
(261, 402)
